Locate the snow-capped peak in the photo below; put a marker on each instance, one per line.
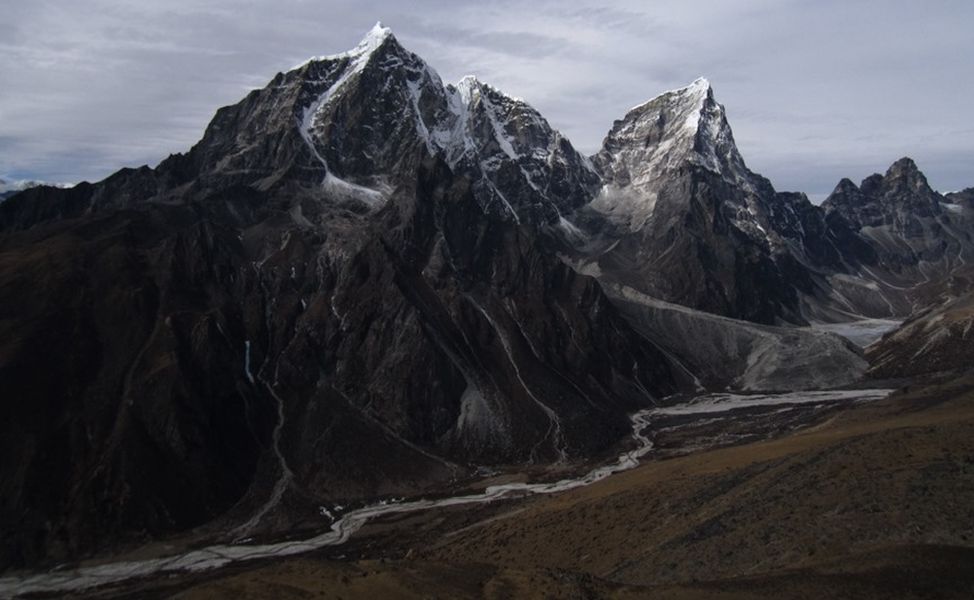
(469, 87)
(695, 93)
(374, 38)
(369, 44)
(675, 129)
(473, 126)
(466, 87)
(338, 80)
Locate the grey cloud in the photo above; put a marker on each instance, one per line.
(814, 91)
(516, 44)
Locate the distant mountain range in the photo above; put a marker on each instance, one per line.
(9, 188)
(362, 281)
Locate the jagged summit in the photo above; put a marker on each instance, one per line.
(375, 106)
(902, 182)
(372, 40)
(676, 128)
(354, 126)
(695, 91)
(690, 101)
(673, 179)
(905, 175)
(470, 89)
(905, 164)
(845, 184)
(378, 31)
(468, 82)
(897, 199)
(903, 172)
(514, 148)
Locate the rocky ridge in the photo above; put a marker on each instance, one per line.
(680, 217)
(323, 314)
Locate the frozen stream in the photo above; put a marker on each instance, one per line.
(219, 555)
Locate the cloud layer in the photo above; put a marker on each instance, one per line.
(815, 91)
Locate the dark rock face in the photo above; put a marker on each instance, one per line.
(898, 200)
(364, 282)
(963, 198)
(123, 407)
(937, 339)
(898, 233)
(681, 218)
(295, 313)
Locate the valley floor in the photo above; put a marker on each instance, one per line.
(875, 501)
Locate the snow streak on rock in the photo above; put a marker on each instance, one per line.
(554, 428)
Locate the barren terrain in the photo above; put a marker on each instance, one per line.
(876, 499)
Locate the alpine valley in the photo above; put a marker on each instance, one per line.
(370, 315)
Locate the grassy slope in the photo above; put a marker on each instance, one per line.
(895, 473)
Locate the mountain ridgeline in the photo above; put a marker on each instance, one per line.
(362, 282)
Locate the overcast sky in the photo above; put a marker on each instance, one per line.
(814, 90)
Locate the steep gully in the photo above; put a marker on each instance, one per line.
(698, 408)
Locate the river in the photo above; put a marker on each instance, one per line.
(219, 555)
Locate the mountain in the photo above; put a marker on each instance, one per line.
(681, 218)
(899, 243)
(9, 188)
(342, 292)
(363, 282)
(897, 234)
(325, 129)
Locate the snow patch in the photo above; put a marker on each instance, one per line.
(358, 59)
(346, 190)
(554, 428)
(571, 230)
(699, 86)
(372, 40)
(475, 413)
